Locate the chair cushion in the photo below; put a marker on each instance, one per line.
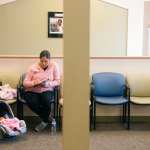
(140, 100)
(108, 84)
(111, 100)
(139, 84)
(11, 101)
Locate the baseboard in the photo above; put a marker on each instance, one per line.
(101, 119)
(109, 119)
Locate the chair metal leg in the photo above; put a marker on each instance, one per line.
(54, 110)
(90, 118)
(50, 113)
(128, 122)
(56, 106)
(57, 115)
(94, 116)
(59, 118)
(123, 113)
(20, 110)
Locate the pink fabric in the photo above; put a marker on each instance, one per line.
(6, 92)
(13, 124)
(51, 74)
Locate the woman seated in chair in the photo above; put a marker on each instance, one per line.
(40, 80)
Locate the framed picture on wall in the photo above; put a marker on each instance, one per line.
(55, 24)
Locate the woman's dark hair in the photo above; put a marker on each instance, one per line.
(45, 53)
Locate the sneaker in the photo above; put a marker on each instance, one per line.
(41, 126)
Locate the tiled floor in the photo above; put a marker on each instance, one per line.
(114, 136)
(106, 137)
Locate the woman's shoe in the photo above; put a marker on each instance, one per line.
(41, 126)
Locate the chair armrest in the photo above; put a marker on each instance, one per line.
(127, 92)
(57, 94)
(91, 90)
(57, 91)
(20, 92)
(91, 93)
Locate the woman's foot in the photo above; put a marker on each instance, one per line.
(41, 126)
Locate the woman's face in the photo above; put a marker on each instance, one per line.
(59, 22)
(44, 62)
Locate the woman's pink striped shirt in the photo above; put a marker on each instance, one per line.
(51, 74)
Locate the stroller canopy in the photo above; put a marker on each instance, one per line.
(5, 109)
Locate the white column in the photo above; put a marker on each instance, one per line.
(76, 75)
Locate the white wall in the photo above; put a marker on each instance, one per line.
(135, 24)
(108, 29)
(146, 41)
(24, 28)
(2, 2)
(96, 65)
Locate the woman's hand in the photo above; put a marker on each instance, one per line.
(37, 82)
(45, 83)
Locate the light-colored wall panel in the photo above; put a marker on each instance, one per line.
(118, 65)
(24, 25)
(108, 29)
(2, 2)
(146, 48)
(135, 24)
(11, 69)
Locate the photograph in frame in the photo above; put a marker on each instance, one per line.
(55, 24)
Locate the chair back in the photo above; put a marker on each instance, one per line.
(21, 79)
(107, 84)
(139, 84)
(20, 86)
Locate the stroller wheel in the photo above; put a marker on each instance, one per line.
(2, 132)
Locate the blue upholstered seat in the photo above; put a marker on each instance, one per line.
(109, 88)
(108, 84)
(115, 100)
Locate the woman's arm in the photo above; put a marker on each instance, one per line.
(28, 82)
(56, 74)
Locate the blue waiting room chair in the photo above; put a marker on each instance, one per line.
(109, 88)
